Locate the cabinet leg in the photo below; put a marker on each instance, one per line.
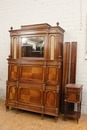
(42, 115)
(78, 112)
(16, 111)
(7, 108)
(65, 111)
(56, 118)
(64, 118)
(12, 108)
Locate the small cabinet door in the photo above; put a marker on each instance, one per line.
(11, 93)
(13, 71)
(51, 100)
(71, 97)
(30, 97)
(53, 72)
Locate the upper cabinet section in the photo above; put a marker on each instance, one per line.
(37, 41)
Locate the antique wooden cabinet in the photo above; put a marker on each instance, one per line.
(35, 69)
(73, 94)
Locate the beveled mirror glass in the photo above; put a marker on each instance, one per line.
(33, 46)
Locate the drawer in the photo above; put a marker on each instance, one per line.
(72, 90)
(72, 97)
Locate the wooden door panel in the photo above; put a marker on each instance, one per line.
(52, 75)
(11, 90)
(11, 93)
(71, 97)
(32, 74)
(51, 96)
(30, 93)
(13, 74)
(51, 100)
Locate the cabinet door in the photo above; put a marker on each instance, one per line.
(32, 72)
(11, 93)
(13, 71)
(71, 96)
(51, 100)
(53, 72)
(30, 97)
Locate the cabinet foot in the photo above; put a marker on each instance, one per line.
(64, 118)
(16, 111)
(7, 108)
(12, 108)
(42, 116)
(56, 118)
(77, 121)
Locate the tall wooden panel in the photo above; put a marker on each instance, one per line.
(65, 78)
(73, 62)
(72, 78)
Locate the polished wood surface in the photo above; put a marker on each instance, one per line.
(73, 95)
(65, 76)
(34, 85)
(34, 81)
(38, 30)
(73, 62)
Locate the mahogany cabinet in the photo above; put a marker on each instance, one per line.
(73, 94)
(35, 69)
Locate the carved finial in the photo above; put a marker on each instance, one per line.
(10, 56)
(11, 28)
(57, 23)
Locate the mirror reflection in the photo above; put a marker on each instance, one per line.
(33, 47)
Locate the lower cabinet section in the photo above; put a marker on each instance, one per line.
(31, 97)
(51, 100)
(11, 94)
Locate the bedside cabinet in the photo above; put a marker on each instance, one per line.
(73, 95)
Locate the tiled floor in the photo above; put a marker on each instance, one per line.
(32, 121)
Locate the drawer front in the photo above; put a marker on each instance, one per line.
(32, 74)
(71, 97)
(72, 90)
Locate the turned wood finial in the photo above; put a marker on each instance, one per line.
(10, 56)
(57, 23)
(11, 28)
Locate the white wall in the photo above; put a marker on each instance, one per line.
(72, 16)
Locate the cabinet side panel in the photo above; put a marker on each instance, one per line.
(73, 62)
(65, 77)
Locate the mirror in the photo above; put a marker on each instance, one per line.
(33, 47)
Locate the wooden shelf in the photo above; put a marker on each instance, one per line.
(72, 114)
(73, 94)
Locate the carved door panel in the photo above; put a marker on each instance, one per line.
(51, 100)
(30, 97)
(53, 73)
(13, 71)
(11, 93)
(32, 72)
